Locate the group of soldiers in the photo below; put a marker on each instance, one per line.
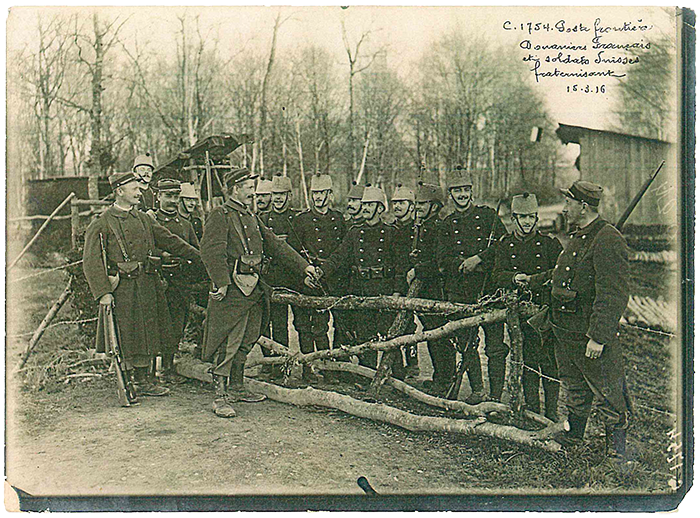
(255, 241)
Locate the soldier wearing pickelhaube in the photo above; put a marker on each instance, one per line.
(424, 267)
(174, 270)
(131, 280)
(527, 257)
(466, 233)
(263, 196)
(353, 211)
(318, 233)
(590, 290)
(368, 251)
(403, 203)
(233, 250)
(187, 208)
(279, 220)
(143, 169)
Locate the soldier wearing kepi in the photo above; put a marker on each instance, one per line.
(318, 232)
(174, 270)
(424, 267)
(590, 289)
(524, 257)
(187, 208)
(233, 250)
(279, 220)
(132, 280)
(368, 251)
(143, 169)
(263, 196)
(466, 233)
(403, 203)
(353, 211)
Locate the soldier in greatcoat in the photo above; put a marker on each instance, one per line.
(467, 233)
(368, 251)
(233, 248)
(175, 270)
(131, 279)
(143, 169)
(590, 290)
(403, 203)
(263, 196)
(424, 267)
(187, 208)
(526, 256)
(280, 220)
(318, 231)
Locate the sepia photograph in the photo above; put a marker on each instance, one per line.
(349, 258)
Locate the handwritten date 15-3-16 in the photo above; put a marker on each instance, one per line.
(585, 89)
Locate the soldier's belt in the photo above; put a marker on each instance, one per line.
(372, 272)
(132, 269)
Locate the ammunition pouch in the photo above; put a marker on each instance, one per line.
(171, 267)
(564, 300)
(129, 269)
(152, 265)
(367, 273)
(253, 263)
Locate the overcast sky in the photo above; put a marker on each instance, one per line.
(406, 30)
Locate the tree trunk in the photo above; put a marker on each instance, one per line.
(515, 379)
(97, 157)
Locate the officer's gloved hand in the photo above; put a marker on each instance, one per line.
(219, 294)
(313, 277)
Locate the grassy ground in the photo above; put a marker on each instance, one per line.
(71, 437)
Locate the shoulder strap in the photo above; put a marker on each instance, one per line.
(118, 235)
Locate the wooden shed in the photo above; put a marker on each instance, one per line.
(621, 163)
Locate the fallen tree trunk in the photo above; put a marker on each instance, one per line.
(384, 302)
(391, 415)
(46, 321)
(449, 329)
(196, 369)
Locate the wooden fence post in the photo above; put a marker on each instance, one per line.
(74, 223)
(515, 379)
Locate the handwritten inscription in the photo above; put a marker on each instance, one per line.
(675, 458)
(564, 50)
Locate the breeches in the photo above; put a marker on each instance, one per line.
(241, 339)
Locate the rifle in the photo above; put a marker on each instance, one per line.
(473, 333)
(621, 222)
(125, 391)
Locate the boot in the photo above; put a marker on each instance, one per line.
(551, 400)
(130, 388)
(497, 377)
(222, 406)
(615, 443)
(143, 385)
(169, 374)
(574, 437)
(238, 389)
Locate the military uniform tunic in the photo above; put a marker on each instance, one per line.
(534, 255)
(464, 234)
(369, 254)
(281, 224)
(318, 236)
(140, 306)
(177, 272)
(590, 290)
(231, 232)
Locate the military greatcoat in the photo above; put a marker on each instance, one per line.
(140, 306)
(590, 290)
(232, 231)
